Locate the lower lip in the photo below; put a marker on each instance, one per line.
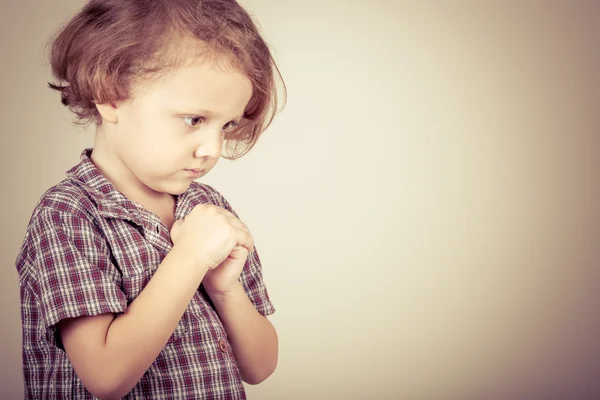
(193, 174)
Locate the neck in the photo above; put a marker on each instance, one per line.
(116, 172)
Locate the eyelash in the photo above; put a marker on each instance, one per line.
(234, 124)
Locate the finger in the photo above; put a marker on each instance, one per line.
(208, 207)
(232, 219)
(244, 239)
(224, 211)
(236, 223)
(239, 253)
(216, 208)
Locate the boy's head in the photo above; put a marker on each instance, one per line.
(117, 58)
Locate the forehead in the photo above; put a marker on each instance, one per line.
(205, 84)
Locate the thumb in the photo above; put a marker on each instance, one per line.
(239, 253)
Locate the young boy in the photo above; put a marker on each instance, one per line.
(137, 281)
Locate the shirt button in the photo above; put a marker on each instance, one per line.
(157, 229)
(223, 346)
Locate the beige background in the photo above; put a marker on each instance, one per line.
(426, 207)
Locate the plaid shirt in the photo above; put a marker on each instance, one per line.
(89, 250)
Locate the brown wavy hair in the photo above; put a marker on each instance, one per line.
(110, 45)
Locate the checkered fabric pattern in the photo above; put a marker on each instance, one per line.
(89, 250)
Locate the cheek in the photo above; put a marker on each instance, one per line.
(154, 135)
(149, 149)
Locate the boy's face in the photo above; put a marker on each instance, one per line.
(172, 130)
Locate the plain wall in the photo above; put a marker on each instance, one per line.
(426, 207)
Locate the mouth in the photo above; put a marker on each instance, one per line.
(194, 172)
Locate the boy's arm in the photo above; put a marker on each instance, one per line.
(252, 336)
(110, 355)
(243, 312)
(79, 295)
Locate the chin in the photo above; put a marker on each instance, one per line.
(175, 189)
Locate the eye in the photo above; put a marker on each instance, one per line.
(231, 125)
(193, 121)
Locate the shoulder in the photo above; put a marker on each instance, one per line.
(65, 197)
(63, 208)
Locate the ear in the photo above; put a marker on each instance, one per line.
(108, 112)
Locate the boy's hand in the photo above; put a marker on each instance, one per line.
(209, 234)
(221, 280)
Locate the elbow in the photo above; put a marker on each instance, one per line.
(259, 375)
(106, 392)
(255, 379)
(114, 393)
(107, 395)
(107, 386)
(263, 367)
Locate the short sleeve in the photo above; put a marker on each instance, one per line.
(251, 277)
(73, 270)
(252, 281)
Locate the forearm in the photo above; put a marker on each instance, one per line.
(135, 338)
(253, 338)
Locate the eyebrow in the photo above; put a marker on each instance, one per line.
(206, 113)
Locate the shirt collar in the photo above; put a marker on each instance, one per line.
(111, 203)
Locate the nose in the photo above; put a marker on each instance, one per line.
(210, 147)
